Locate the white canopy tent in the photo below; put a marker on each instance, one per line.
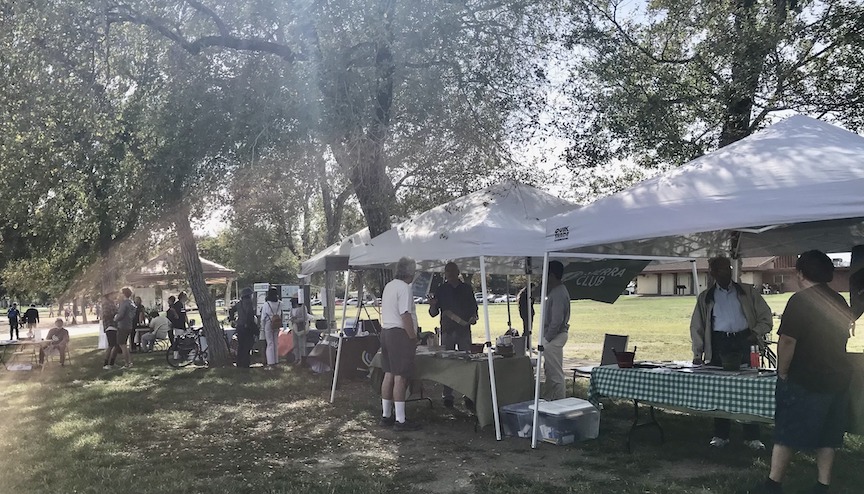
(791, 187)
(794, 186)
(501, 223)
(342, 248)
(492, 230)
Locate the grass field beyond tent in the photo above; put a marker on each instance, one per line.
(156, 430)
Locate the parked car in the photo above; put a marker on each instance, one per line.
(503, 299)
(315, 301)
(421, 300)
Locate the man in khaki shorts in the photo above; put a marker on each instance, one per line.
(398, 345)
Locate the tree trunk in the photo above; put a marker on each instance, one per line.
(74, 310)
(83, 311)
(754, 45)
(217, 349)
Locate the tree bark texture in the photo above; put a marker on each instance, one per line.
(217, 349)
(83, 306)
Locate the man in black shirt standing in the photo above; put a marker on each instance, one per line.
(454, 300)
(812, 373)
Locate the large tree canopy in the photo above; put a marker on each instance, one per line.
(670, 80)
(398, 94)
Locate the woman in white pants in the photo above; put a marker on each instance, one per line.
(271, 310)
(300, 320)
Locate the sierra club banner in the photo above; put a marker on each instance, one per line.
(603, 281)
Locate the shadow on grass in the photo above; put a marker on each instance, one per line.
(152, 429)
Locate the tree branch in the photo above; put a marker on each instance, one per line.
(194, 47)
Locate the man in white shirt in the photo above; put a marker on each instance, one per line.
(398, 345)
(729, 317)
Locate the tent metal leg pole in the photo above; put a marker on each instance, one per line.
(539, 351)
(695, 277)
(530, 317)
(489, 347)
(341, 334)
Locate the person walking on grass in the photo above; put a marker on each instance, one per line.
(398, 345)
(14, 315)
(109, 310)
(271, 321)
(125, 321)
(31, 315)
(813, 373)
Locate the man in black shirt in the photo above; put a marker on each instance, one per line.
(454, 300)
(812, 372)
(32, 318)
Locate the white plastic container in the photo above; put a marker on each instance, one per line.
(567, 421)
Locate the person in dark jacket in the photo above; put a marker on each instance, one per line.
(13, 315)
(247, 328)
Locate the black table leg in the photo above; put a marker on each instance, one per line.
(637, 424)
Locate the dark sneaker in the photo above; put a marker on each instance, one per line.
(406, 426)
(387, 421)
(448, 402)
(469, 404)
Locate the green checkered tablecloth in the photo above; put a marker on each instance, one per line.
(745, 394)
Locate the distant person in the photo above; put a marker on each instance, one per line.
(247, 328)
(300, 319)
(455, 301)
(14, 315)
(51, 311)
(556, 328)
(159, 328)
(729, 318)
(526, 301)
(67, 313)
(172, 316)
(271, 321)
(813, 373)
(140, 321)
(57, 340)
(31, 315)
(125, 321)
(109, 310)
(398, 345)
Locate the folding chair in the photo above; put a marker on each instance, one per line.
(51, 353)
(610, 342)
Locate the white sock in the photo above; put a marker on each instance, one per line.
(387, 407)
(400, 411)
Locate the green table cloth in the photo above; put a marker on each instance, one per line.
(725, 395)
(513, 378)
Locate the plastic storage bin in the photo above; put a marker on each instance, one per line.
(567, 421)
(517, 419)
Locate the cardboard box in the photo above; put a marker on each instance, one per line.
(567, 421)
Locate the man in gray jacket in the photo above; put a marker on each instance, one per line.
(729, 317)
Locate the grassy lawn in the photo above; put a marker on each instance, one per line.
(152, 429)
(658, 326)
